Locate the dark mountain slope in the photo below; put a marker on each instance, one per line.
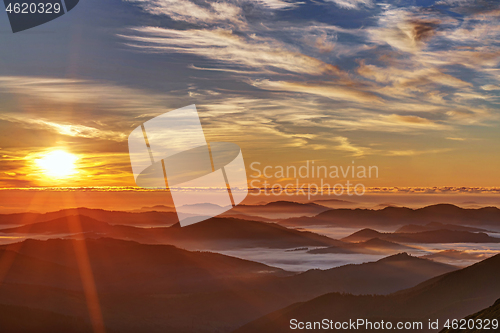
(122, 265)
(481, 319)
(381, 277)
(158, 288)
(452, 295)
(19, 268)
(27, 320)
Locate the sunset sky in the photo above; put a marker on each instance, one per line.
(411, 86)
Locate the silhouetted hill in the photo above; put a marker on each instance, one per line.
(372, 246)
(398, 216)
(452, 295)
(230, 232)
(433, 236)
(480, 319)
(363, 235)
(458, 292)
(412, 228)
(144, 266)
(66, 225)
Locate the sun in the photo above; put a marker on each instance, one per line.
(58, 164)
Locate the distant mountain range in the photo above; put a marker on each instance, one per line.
(399, 216)
(138, 219)
(452, 295)
(280, 209)
(442, 216)
(231, 233)
(412, 228)
(215, 233)
(73, 224)
(335, 203)
(433, 236)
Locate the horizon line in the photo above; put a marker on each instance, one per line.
(372, 189)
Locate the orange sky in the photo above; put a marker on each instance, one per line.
(411, 90)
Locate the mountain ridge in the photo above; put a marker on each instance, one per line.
(431, 236)
(214, 233)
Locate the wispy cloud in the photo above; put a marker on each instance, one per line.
(210, 13)
(77, 91)
(352, 4)
(226, 48)
(412, 152)
(73, 130)
(187, 11)
(346, 145)
(329, 90)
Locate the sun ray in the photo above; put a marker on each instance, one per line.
(85, 270)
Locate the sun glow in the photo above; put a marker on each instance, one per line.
(58, 164)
